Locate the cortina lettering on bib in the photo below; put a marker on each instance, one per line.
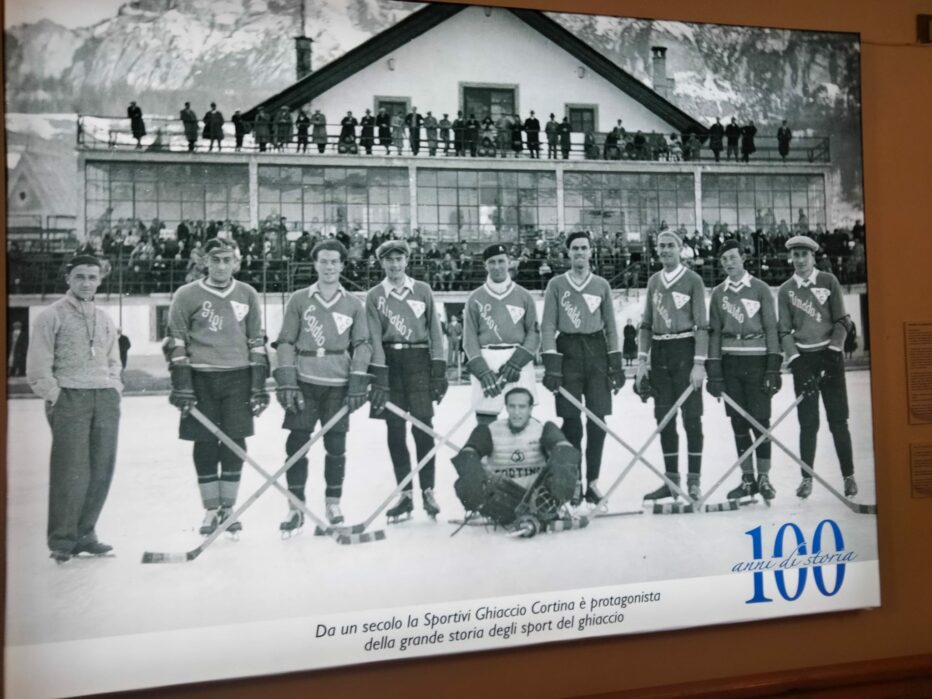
(592, 301)
(417, 306)
(821, 294)
(751, 306)
(680, 300)
(239, 310)
(342, 322)
(516, 313)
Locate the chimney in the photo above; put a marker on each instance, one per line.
(659, 61)
(302, 45)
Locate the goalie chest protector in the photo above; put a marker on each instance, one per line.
(517, 456)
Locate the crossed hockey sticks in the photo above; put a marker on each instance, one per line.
(184, 557)
(344, 535)
(853, 506)
(639, 453)
(358, 528)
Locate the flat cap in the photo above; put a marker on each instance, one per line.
(220, 244)
(730, 244)
(390, 246)
(493, 250)
(802, 241)
(77, 260)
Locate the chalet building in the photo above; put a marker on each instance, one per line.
(485, 61)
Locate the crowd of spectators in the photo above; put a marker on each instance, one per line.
(464, 135)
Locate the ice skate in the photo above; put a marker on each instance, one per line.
(401, 510)
(765, 488)
(577, 498)
(665, 491)
(292, 524)
(430, 503)
(334, 514)
(594, 497)
(692, 487)
(851, 487)
(745, 491)
(805, 488)
(210, 523)
(235, 528)
(93, 548)
(60, 557)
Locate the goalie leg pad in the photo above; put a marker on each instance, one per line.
(563, 469)
(470, 487)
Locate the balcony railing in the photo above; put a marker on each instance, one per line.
(167, 135)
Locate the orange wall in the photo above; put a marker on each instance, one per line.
(897, 118)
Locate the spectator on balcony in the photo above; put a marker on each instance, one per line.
(640, 145)
(716, 137)
(213, 126)
(136, 124)
(747, 141)
(517, 144)
(732, 138)
(610, 149)
(532, 129)
(693, 146)
(239, 129)
(383, 123)
(284, 128)
(459, 135)
(398, 132)
(189, 121)
(552, 129)
(303, 124)
(348, 133)
(263, 129)
(447, 273)
(472, 135)
(367, 131)
(414, 121)
(564, 131)
(802, 223)
(784, 136)
(590, 146)
(319, 130)
(430, 128)
(502, 132)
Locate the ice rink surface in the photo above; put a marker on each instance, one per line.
(154, 506)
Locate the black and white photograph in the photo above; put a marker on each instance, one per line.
(350, 331)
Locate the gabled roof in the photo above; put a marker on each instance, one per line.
(417, 23)
(51, 177)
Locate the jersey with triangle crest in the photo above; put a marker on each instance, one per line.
(580, 309)
(508, 318)
(742, 319)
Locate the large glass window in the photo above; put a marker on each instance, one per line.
(488, 101)
(787, 204)
(167, 192)
(332, 199)
(485, 206)
(629, 203)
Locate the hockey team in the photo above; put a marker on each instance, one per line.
(335, 351)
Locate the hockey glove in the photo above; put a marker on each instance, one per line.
(642, 385)
(563, 471)
(438, 379)
(287, 391)
(833, 363)
(378, 390)
(553, 371)
(773, 382)
(182, 393)
(806, 381)
(357, 393)
(470, 487)
(616, 372)
(480, 369)
(258, 396)
(510, 371)
(716, 382)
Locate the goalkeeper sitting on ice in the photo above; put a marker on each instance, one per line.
(517, 472)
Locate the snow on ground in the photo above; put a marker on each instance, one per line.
(154, 506)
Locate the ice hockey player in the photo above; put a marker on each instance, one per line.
(674, 338)
(812, 326)
(517, 472)
(408, 368)
(744, 361)
(217, 359)
(579, 345)
(501, 336)
(323, 354)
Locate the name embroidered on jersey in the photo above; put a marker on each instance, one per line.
(821, 294)
(680, 300)
(396, 320)
(806, 305)
(313, 326)
(661, 309)
(485, 314)
(342, 322)
(418, 307)
(572, 312)
(214, 320)
(751, 306)
(516, 313)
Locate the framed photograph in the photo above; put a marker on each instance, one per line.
(438, 328)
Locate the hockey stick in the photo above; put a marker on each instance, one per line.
(638, 454)
(417, 468)
(156, 557)
(339, 532)
(853, 506)
(421, 425)
(761, 438)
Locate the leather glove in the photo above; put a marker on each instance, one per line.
(642, 385)
(773, 382)
(832, 362)
(553, 371)
(510, 371)
(807, 381)
(258, 396)
(480, 369)
(378, 389)
(438, 379)
(357, 392)
(182, 393)
(287, 391)
(715, 381)
(616, 372)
